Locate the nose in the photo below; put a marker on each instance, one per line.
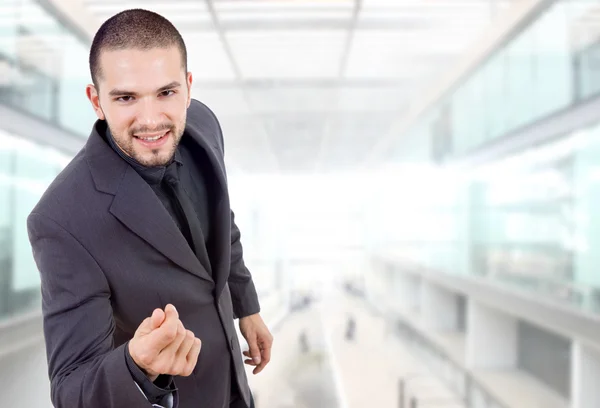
(149, 115)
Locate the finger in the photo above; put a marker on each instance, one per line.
(192, 357)
(249, 361)
(168, 330)
(144, 328)
(266, 354)
(185, 346)
(171, 312)
(265, 357)
(170, 350)
(157, 318)
(254, 350)
(259, 367)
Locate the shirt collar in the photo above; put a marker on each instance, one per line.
(152, 175)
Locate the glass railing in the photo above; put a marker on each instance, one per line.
(456, 377)
(528, 221)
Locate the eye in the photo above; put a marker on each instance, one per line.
(125, 98)
(168, 92)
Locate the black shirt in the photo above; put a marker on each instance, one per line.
(192, 177)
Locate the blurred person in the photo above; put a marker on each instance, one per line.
(139, 256)
(303, 340)
(350, 328)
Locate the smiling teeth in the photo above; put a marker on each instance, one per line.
(152, 139)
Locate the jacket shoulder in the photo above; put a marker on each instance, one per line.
(204, 118)
(67, 191)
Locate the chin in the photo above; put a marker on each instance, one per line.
(154, 159)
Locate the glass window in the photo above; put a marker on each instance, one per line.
(525, 228)
(554, 63)
(5, 223)
(43, 66)
(518, 102)
(8, 29)
(459, 120)
(494, 79)
(585, 43)
(39, 55)
(588, 71)
(458, 114)
(477, 109)
(530, 77)
(587, 240)
(74, 110)
(26, 170)
(533, 221)
(529, 221)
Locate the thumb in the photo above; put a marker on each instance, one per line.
(157, 318)
(254, 350)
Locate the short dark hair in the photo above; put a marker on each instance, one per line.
(135, 28)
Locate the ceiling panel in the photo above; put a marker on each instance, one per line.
(253, 6)
(382, 98)
(291, 99)
(186, 15)
(286, 15)
(410, 54)
(207, 59)
(287, 54)
(179, 13)
(164, 8)
(428, 4)
(228, 101)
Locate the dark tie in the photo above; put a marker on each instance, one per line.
(192, 229)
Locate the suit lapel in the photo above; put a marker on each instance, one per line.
(138, 208)
(221, 245)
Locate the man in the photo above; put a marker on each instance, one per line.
(139, 256)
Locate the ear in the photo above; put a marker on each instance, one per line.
(92, 95)
(189, 88)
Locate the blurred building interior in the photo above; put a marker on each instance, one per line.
(414, 181)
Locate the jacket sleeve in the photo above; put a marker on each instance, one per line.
(85, 369)
(243, 292)
(155, 392)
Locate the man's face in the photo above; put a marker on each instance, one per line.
(143, 95)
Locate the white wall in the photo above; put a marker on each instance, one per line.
(24, 378)
(491, 338)
(585, 376)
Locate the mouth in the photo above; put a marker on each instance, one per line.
(153, 139)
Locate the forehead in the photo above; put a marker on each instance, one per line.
(140, 67)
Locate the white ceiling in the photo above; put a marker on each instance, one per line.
(305, 86)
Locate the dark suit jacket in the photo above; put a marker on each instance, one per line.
(109, 253)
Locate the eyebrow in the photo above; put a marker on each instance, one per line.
(120, 92)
